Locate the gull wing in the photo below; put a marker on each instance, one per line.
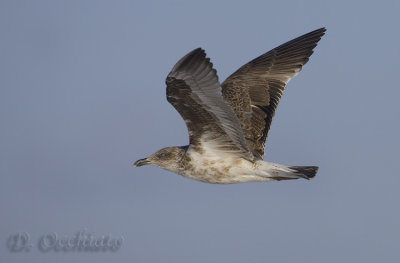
(255, 89)
(195, 92)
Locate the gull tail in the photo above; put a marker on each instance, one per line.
(306, 172)
(280, 172)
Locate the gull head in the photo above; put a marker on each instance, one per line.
(168, 158)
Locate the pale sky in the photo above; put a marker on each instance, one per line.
(82, 96)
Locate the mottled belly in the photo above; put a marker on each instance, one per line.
(222, 171)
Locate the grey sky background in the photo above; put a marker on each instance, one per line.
(82, 96)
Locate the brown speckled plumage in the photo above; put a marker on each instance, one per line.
(228, 123)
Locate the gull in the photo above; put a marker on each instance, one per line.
(228, 123)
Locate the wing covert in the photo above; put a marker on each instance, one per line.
(194, 90)
(254, 90)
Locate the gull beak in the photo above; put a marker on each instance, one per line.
(141, 162)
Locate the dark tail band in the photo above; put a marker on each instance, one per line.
(306, 172)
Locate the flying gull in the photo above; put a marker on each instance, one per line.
(228, 123)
